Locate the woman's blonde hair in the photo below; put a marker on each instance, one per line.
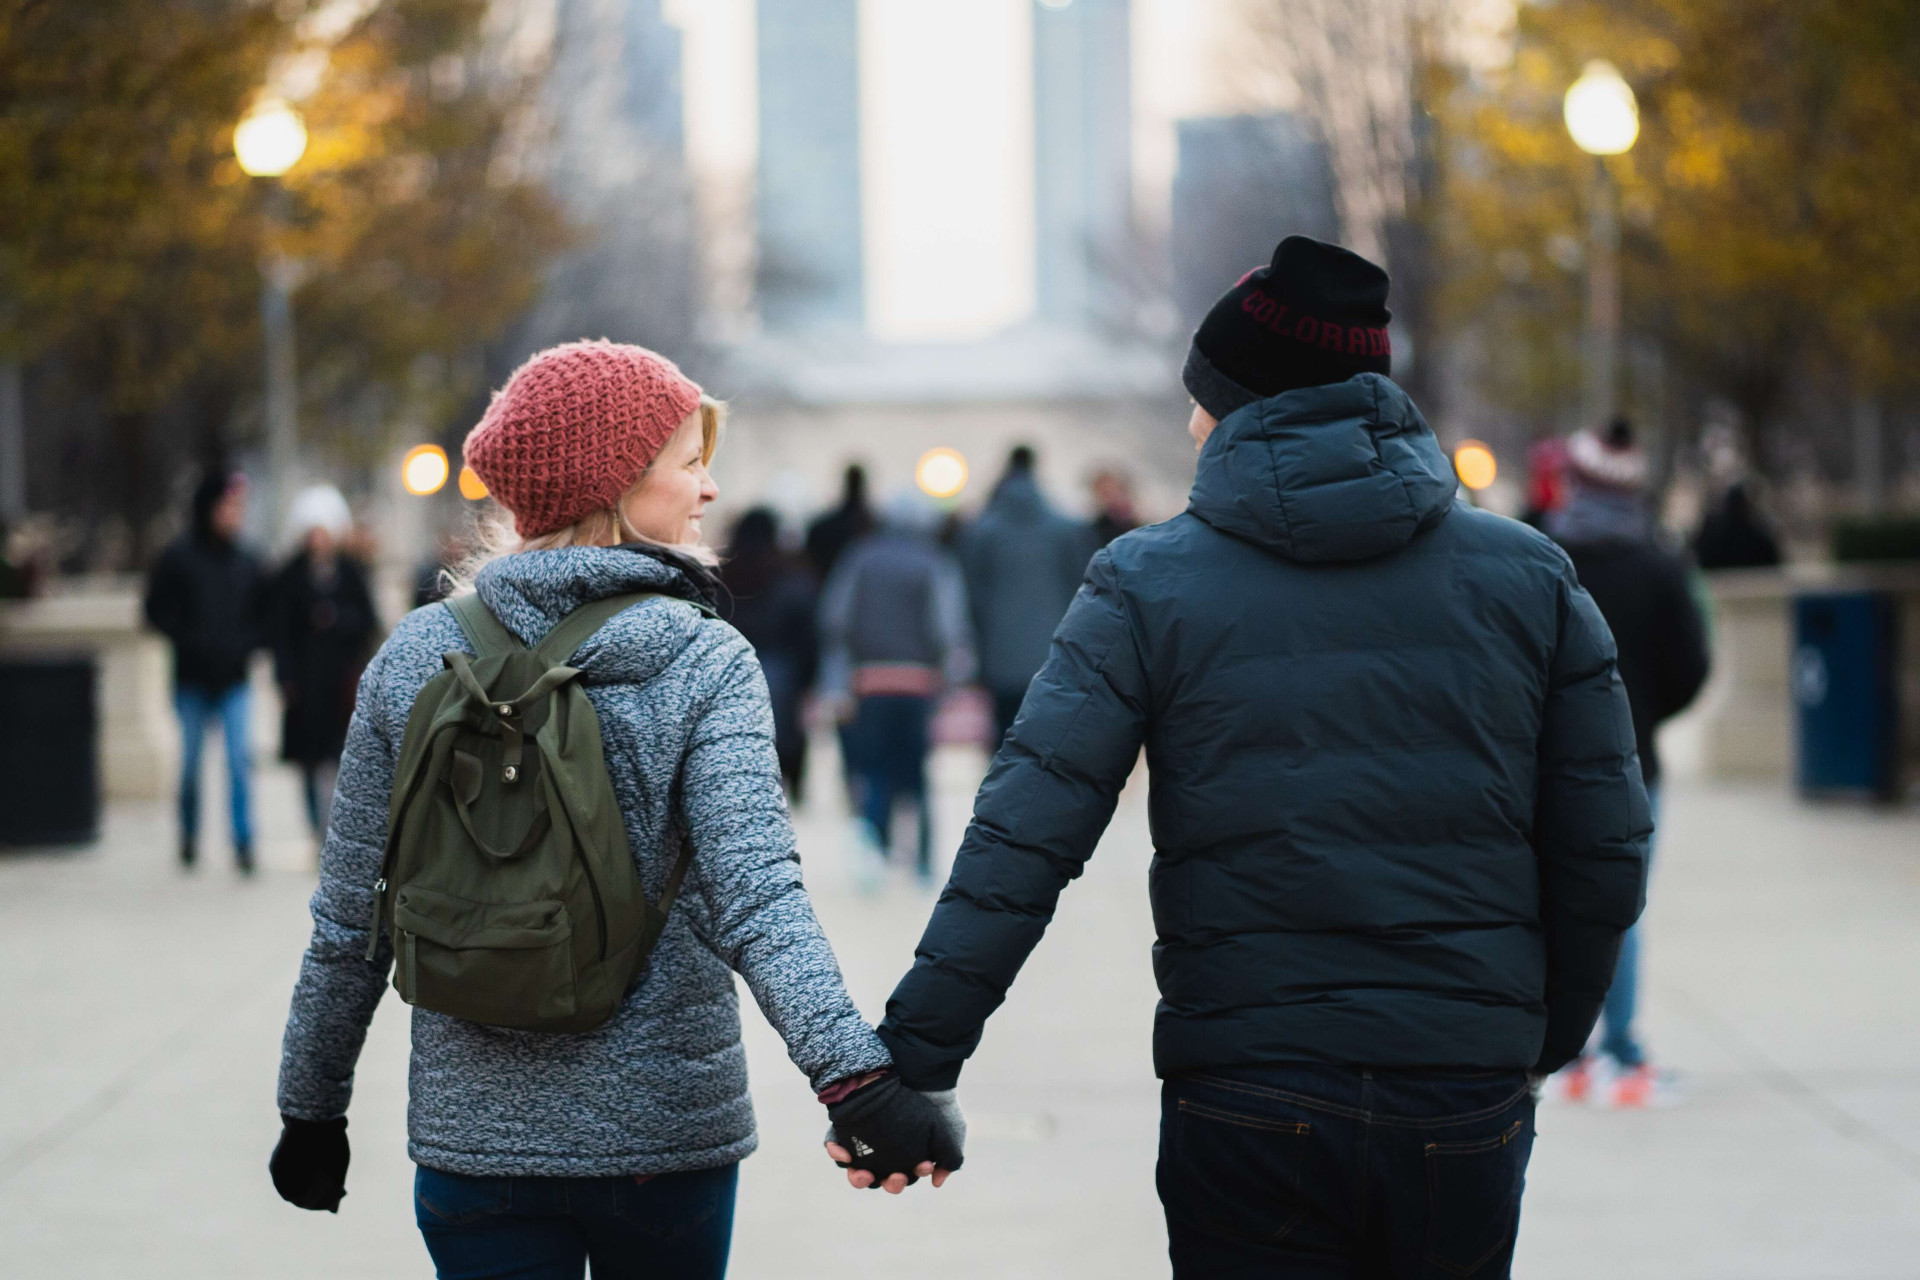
(493, 533)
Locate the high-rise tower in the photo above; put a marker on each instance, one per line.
(811, 247)
(1083, 145)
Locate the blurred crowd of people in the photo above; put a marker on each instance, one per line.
(881, 609)
(217, 602)
(873, 613)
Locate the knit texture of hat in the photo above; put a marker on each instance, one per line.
(574, 428)
(1316, 314)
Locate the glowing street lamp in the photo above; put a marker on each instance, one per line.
(424, 470)
(1601, 112)
(472, 487)
(268, 142)
(1604, 120)
(1475, 464)
(941, 473)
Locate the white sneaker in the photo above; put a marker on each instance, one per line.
(869, 864)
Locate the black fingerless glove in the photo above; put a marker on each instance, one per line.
(309, 1164)
(888, 1128)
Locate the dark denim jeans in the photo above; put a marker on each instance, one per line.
(1303, 1170)
(677, 1226)
(890, 746)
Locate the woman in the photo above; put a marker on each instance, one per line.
(322, 619)
(772, 606)
(540, 1151)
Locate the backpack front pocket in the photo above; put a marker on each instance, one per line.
(506, 964)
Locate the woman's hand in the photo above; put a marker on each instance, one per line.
(896, 1182)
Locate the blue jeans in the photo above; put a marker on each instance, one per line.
(196, 707)
(890, 758)
(1301, 1170)
(676, 1226)
(1623, 997)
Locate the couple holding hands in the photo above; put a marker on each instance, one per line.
(1398, 820)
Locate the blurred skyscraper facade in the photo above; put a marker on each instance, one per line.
(811, 270)
(1083, 155)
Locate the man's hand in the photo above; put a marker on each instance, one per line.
(895, 1183)
(888, 1136)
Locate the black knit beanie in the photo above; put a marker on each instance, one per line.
(1318, 314)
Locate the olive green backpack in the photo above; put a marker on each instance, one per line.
(507, 886)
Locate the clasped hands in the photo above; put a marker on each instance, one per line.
(888, 1136)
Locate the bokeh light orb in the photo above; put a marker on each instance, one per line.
(1475, 464)
(424, 469)
(472, 487)
(1601, 112)
(270, 140)
(941, 473)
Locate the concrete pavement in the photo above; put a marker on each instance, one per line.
(142, 1010)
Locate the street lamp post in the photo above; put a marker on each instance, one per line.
(1604, 120)
(268, 143)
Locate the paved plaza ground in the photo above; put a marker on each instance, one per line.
(141, 1009)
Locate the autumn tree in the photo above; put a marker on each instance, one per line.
(1770, 202)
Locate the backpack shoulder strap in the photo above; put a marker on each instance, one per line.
(486, 633)
(578, 627)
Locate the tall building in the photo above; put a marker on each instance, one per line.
(1083, 146)
(617, 160)
(811, 248)
(1244, 183)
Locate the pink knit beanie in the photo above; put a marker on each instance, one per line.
(574, 428)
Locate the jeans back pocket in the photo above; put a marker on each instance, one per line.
(1235, 1173)
(1473, 1196)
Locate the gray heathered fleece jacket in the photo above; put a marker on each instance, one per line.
(689, 744)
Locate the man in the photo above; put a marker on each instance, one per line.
(207, 596)
(831, 534)
(1398, 823)
(1023, 562)
(893, 635)
(1642, 590)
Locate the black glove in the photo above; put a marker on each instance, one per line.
(309, 1164)
(888, 1128)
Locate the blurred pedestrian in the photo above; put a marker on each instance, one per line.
(773, 605)
(542, 1148)
(829, 536)
(1115, 512)
(1546, 480)
(893, 634)
(1734, 533)
(1023, 562)
(322, 622)
(1643, 592)
(1398, 828)
(207, 595)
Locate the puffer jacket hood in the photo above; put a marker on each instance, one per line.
(1343, 472)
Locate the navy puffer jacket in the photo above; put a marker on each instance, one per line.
(1396, 809)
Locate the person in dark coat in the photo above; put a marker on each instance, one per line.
(1398, 821)
(1735, 535)
(1023, 561)
(830, 535)
(1644, 593)
(323, 623)
(773, 607)
(893, 636)
(207, 596)
(1115, 512)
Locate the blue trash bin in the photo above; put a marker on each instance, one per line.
(49, 729)
(1846, 691)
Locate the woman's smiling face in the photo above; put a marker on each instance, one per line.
(668, 503)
